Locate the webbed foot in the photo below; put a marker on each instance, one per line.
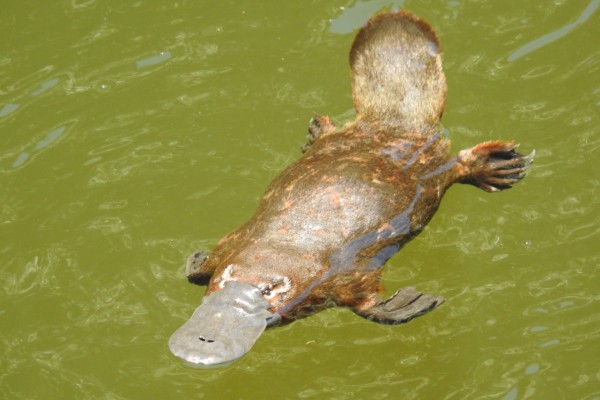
(318, 125)
(404, 305)
(194, 268)
(493, 166)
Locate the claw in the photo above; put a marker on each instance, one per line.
(494, 166)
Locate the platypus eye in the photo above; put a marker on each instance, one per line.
(279, 286)
(267, 291)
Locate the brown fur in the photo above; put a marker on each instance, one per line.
(397, 71)
(328, 223)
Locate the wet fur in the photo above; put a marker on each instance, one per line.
(330, 221)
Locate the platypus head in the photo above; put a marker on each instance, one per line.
(275, 286)
(240, 302)
(224, 327)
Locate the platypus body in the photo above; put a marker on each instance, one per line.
(328, 223)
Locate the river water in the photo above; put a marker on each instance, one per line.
(133, 133)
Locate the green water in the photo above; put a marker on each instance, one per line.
(133, 133)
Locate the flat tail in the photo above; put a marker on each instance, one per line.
(397, 71)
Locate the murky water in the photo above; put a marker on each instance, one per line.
(132, 133)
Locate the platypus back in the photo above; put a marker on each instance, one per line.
(397, 72)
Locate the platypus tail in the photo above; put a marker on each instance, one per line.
(397, 72)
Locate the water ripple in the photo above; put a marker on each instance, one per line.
(555, 35)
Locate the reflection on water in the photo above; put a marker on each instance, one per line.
(50, 138)
(557, 34)
(9, 109)
(134, 134)
(160, 58)
(352, 18)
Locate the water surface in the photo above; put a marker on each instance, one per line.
(133, 133)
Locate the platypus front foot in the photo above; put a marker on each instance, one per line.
(194, 268)
(493, 166)
(318, 125)
(404, 305)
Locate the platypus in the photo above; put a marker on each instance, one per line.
(328, 223)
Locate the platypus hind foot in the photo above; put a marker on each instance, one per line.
(404, 305)
(493, 166)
